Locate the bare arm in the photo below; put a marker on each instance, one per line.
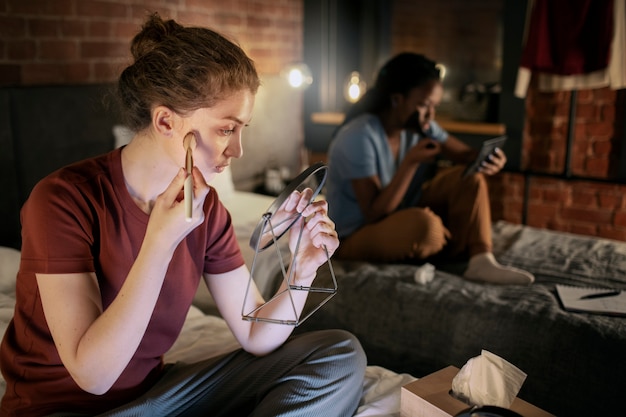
(95, 345)
(376, 201)
(458, 151)
(229, 289)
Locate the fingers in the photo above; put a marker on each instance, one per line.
(171, 193)
(321, 229)
(494, 162)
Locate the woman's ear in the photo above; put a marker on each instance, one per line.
(163, 120)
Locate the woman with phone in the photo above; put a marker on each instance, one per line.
(386, 203)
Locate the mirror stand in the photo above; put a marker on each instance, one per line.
(267, 233)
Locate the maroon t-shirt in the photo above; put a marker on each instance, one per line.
(82, 219)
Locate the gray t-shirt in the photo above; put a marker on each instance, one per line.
(360, 149)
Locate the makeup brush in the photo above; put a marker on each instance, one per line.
(189, 143)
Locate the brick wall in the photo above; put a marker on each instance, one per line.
(463, 35)
(595, 206)
(87, 41)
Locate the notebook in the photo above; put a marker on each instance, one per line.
(602, 300)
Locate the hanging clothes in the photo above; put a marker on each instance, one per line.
(574, 44)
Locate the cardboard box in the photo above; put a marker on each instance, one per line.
(430, 397)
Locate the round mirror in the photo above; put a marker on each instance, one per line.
(273, 225)
(276, 221)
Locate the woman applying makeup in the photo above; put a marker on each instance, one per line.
(111, 262)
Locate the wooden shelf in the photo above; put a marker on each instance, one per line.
(327, 118)
(452, 126)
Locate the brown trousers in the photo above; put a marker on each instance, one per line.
(453, 218)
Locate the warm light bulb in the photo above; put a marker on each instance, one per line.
(354, 87)
(354, 92)
(298, 75)
(295, 78)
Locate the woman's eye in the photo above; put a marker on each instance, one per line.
(228, 132)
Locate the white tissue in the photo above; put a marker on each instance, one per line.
(488, 380)
(425, 273)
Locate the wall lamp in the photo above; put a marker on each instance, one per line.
(354, 87)
(298, 75)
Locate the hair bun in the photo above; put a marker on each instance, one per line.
(153, 32)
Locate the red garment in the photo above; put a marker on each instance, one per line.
(82, 219)
(568, 37)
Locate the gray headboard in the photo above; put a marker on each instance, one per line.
(43, 128)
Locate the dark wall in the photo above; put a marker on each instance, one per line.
(340, 36)
(43, 128)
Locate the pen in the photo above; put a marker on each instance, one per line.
(601, 295)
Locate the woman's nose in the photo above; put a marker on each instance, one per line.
(234, 148)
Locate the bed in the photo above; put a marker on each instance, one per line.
(574, 361)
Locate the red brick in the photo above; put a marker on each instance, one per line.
(512, 217)
(602, 147)
(108, 71)
(43, 28)
(586, 215)
(619, 219)
(538, 223)
(614, 233)
(58, 50)
(125, 30)
(73, 28)
(103, 49)
(584, 196)
(585, 96)
(584, 229)
(597, 167)
(543, 211)
(609, 201)
(99, 29)
(21, 50)
(53, 73)
(608, 113)
(600, 130)
(588, 111)
(94, 8)
(605, 95)
(560, 195)
(12, 27)
(41, 7)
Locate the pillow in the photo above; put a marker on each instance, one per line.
(9, 265)
(122, 135)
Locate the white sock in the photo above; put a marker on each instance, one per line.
(484, 267)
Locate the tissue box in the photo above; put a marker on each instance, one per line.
(430, 397)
